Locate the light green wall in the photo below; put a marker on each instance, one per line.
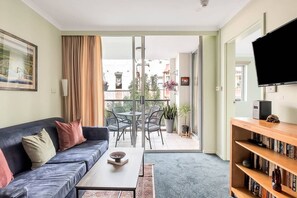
(284, 101)
(209, 49)
(22, 106)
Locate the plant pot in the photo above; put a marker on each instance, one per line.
(185, 128)
(106, 87)
(169, 125)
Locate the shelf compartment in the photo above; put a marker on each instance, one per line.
(242, 193)
(276, 158)
(265, 182)
(282, 131)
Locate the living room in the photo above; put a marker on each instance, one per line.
(22, 20)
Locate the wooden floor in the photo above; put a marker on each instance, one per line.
(172, 141)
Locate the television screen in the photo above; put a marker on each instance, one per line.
(276, 56)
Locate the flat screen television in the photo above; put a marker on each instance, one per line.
(276, 56)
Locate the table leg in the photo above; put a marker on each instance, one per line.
(134, 194)
(77, 195)
(142, 167)
(120, 193)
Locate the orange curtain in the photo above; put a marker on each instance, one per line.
(82, 66)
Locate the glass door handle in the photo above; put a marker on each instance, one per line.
(141, 99)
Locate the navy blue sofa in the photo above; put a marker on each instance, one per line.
(58, 177)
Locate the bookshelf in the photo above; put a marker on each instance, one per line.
(243, 129)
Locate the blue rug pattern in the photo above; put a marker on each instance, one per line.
(189, 175)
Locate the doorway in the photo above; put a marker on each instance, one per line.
(124, 84)
(242, 87)
(144, 63)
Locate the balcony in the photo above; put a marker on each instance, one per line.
(172, 141)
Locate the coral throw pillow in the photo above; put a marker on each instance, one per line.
(5, 172)
(70, 134)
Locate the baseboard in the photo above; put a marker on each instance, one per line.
(209, 151)
(219, 155)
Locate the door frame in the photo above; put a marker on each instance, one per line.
(144, 34)
(228, 48)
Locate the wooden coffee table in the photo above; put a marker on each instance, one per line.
(105, 176)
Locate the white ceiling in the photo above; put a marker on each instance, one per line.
(136, 15)
(139, 15)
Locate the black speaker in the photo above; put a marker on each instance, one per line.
(261, 109)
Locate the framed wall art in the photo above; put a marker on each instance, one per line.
(18, 63)
(184, 81)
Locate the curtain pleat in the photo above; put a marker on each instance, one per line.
(82, 66)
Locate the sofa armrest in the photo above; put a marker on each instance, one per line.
(13, 193)
(96, 133)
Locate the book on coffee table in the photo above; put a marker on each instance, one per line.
(122, 162)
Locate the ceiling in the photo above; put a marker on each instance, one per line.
(136, 15)
(139, 15)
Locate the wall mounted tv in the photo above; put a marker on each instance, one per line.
(276, 56)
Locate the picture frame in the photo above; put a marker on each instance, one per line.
(18, 63)
(184, 81)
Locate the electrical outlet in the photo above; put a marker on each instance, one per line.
(53, 90)
(219, 88)
(271, 89)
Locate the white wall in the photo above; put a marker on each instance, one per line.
(209, 62)
(22, 106)
(183, 65)
(284, 101)
(172, 77)
(245, 108)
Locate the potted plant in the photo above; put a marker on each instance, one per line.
(183, 112)
(170, 112)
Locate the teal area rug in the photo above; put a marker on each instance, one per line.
(189, 175)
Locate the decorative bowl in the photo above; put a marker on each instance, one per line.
(117, 155)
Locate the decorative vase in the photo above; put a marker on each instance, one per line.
(185, 129)
(106, 87)
(169, 125)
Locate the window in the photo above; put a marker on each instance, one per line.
(240, 74)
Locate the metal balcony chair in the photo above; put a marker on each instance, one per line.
(148, 114)
(116, 125)
(120, 109)
(153, 124)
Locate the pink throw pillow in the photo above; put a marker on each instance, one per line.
(5, 173)
(69, 134)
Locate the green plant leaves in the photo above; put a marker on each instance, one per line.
(170, 112)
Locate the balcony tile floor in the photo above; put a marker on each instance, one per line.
(172, 141)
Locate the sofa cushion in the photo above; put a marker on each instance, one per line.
(50, 180)
(11, 142)
(88, 152)
(39, 148)
(14, 193)
(5, 172)
(70, 134)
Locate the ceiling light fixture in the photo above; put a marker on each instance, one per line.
(204, 3)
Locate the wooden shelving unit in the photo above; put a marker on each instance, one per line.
(242, 192)
(241, 130)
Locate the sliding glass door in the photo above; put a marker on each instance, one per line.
(123, 59)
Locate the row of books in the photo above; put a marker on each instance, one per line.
(276, 145)
(288, 179)
(256, 189)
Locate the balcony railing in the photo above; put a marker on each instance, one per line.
(128, 103)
